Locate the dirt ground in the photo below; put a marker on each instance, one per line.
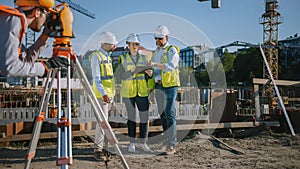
(265, 150)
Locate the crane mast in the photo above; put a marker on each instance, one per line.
(270, 21)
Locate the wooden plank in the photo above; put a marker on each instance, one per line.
(47, 135)
(151, 129)
(278, 82)
(226, 145)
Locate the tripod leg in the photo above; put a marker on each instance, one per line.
(39, 119)
(64, 135)
(69, 115)
(101, 119)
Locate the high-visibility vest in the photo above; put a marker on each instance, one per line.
(106, 74)
(169, 78)
(136, 84)
(14, 11)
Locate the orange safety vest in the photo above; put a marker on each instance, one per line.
(14, 11)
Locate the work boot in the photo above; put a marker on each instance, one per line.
(99, 155)
(131, 148)
(145, 148)
(170, 151)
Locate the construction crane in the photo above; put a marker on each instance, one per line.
(270, 21)
(78, 8)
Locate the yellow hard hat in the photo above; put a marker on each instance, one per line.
(42, 3)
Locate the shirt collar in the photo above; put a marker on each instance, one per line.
(104, 52)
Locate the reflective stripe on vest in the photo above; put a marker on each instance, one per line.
(136, 84)
(14, 11)
(106, 74)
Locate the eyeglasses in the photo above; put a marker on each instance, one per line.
(158, 38)
(136, 44)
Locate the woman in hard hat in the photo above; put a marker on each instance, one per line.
(134, 91)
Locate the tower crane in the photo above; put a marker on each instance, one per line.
(270, 21)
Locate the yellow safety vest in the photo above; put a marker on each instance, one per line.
(136, 84)
(106, 74)
(169, 78)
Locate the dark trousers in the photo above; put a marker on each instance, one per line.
(142, 104)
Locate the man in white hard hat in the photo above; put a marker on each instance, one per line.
(103, 83)
(134, 92)
(166, 80)
(16, 59)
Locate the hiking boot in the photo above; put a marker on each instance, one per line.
(99, 155)
(170, 151)
(131, 148)
(145, 148)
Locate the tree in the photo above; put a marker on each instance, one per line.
(248, 64)
(228, 62)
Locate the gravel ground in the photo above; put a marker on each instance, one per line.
(266, 150)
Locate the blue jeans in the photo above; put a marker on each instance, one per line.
(165, 98)
(142, 104)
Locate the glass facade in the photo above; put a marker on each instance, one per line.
(186, 57)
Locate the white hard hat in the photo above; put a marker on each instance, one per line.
(133, 38)
(161, 31)
(108, 37)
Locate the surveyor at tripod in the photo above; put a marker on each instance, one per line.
(16, 59)
(166, 82)
(134, 91)
(103, 83)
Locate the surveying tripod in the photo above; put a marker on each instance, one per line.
(62, 48)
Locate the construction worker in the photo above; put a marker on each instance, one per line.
(134, 91)
(16, 60)
(166, 82)
(103, 83)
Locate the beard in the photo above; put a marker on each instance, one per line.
(160, 44)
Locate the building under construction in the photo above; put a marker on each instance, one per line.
(19, 104)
